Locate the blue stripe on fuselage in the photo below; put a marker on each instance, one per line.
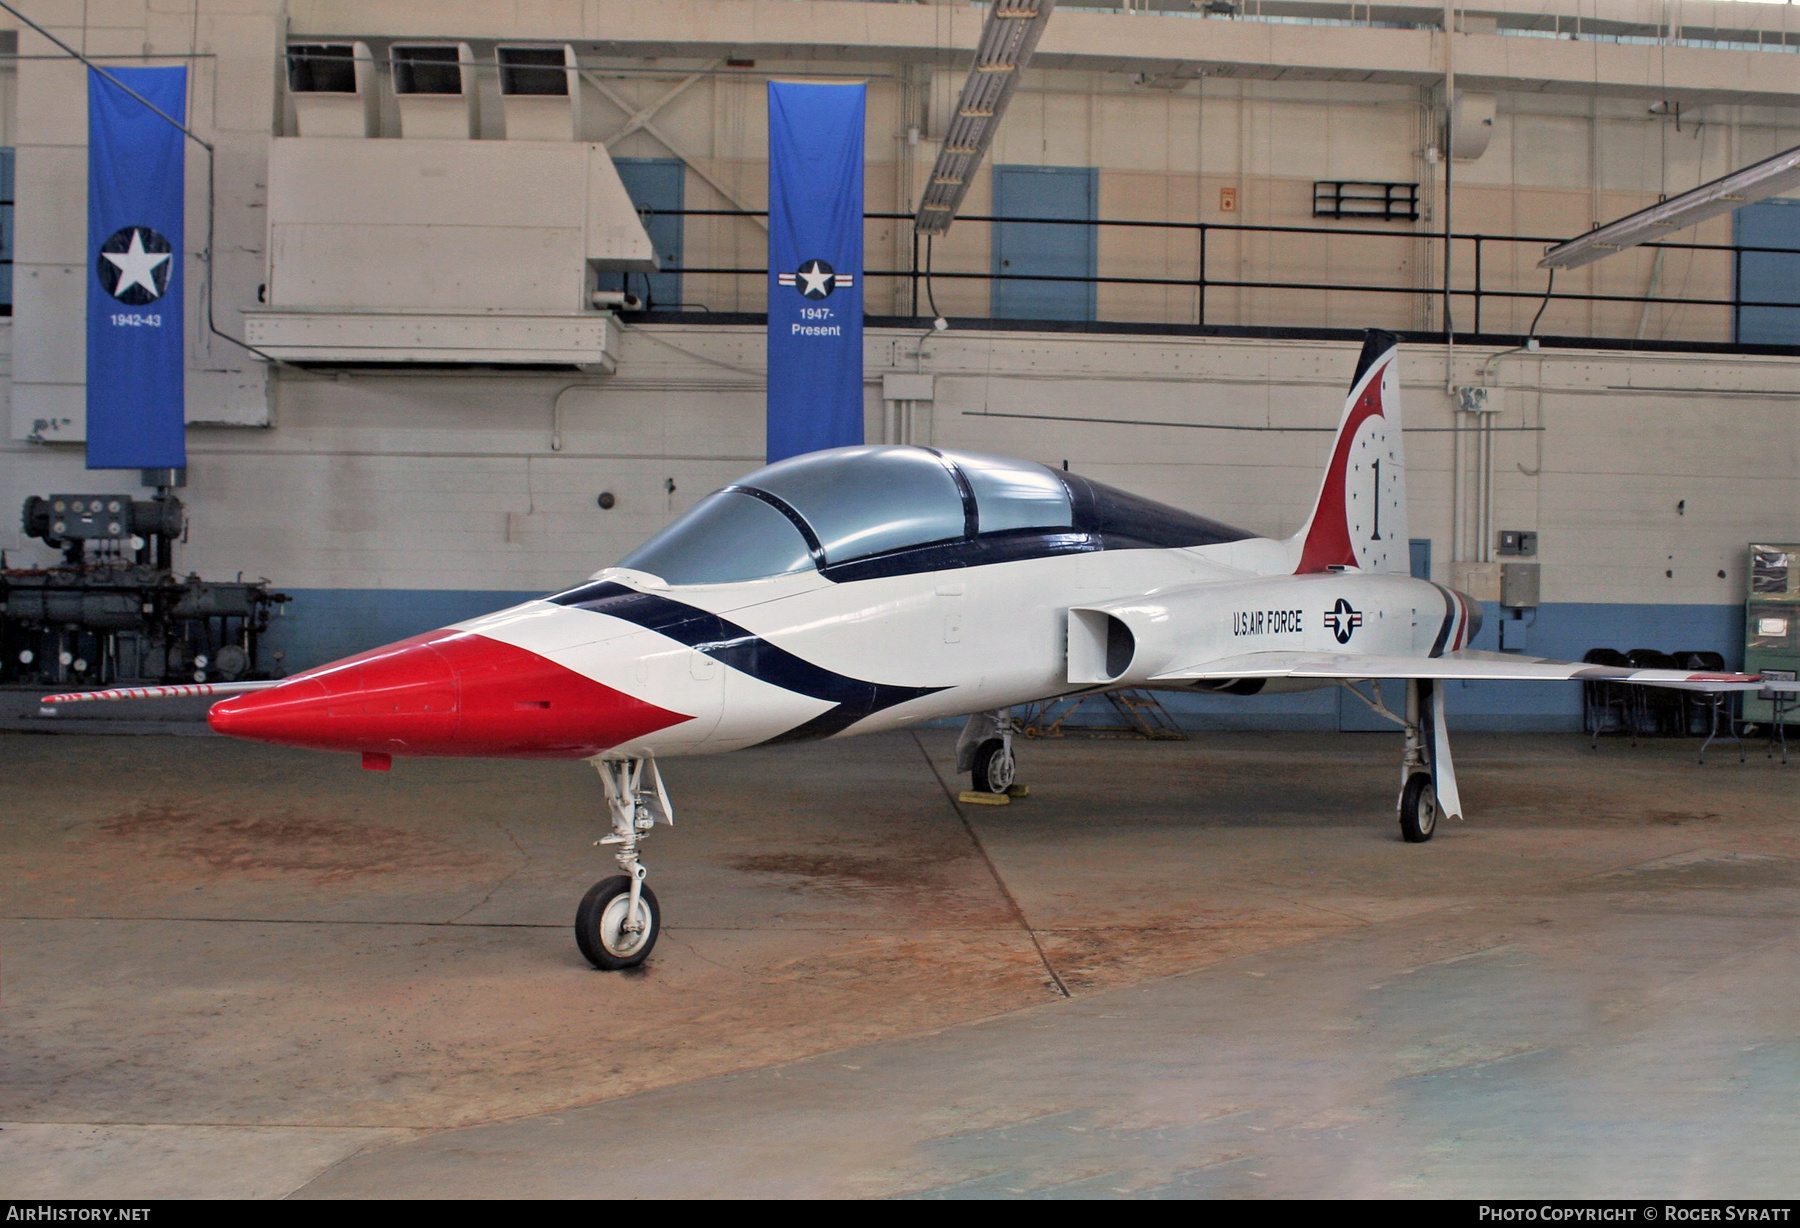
(743, 650)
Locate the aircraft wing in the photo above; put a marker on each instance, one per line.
(1466, 664)
(178, 691)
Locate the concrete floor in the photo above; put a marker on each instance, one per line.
(238, 971)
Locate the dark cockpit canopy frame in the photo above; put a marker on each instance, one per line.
(882, 510)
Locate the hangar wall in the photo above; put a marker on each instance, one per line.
(1555, 165)
(1171, 106)
(389, 502)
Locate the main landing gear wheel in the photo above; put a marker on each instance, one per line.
(607, 936)
(1418, 809)
(994, 769)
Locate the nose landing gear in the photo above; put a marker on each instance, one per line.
(618, 921)
(984, 750)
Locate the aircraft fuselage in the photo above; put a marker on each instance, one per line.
(630, 666)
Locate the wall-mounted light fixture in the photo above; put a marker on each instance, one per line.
(1770, 177)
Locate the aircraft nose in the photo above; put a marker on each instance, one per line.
(401, 698)
(444, 693)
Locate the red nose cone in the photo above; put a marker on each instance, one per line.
(443, 693)
(393, 698)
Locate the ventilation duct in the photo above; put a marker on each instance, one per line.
(540, 92)
(434, 85)
(1473, 117)
(443, 251)
(333, 88)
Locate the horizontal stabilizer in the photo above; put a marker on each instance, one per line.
(186, 690)
(1467, 664)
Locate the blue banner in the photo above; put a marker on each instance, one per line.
(815, 267)
(137, 177)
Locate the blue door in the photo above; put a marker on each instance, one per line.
(657, 186)
(1064, 192)
(1768, 277)
(1420, 549)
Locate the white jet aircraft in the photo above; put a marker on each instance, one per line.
(869, 588)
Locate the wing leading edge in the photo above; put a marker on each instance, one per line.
(1465, 664)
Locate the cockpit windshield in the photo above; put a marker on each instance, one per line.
(728, 536)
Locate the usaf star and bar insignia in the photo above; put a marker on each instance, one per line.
(816, 280)
(1343, 620)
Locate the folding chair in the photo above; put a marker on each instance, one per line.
(1601, 701)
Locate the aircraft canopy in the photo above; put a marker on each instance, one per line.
(842, 504)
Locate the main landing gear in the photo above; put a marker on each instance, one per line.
(984, 751)
(618, 921)
(1418, 808)
(1427, 776)
(1418, 791)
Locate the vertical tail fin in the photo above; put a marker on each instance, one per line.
(1360, 518)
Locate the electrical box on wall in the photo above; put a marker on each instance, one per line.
(1474, 400)
(1518, 542)
(1519, 585)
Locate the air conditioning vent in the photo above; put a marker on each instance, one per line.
(539, 93)
(333, 89)
(322, 68)
(535, 71)
(431, 69)
(434, 86)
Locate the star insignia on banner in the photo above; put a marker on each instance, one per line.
(816, 275)
(816, 280)
(136, 267)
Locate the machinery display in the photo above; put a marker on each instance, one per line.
(868, 588)
(1772, 626)
(113, 610)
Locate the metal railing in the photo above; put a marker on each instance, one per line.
(1474, 288)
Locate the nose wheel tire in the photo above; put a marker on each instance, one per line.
(602, 931)
(994, 770)
(1418, 809)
